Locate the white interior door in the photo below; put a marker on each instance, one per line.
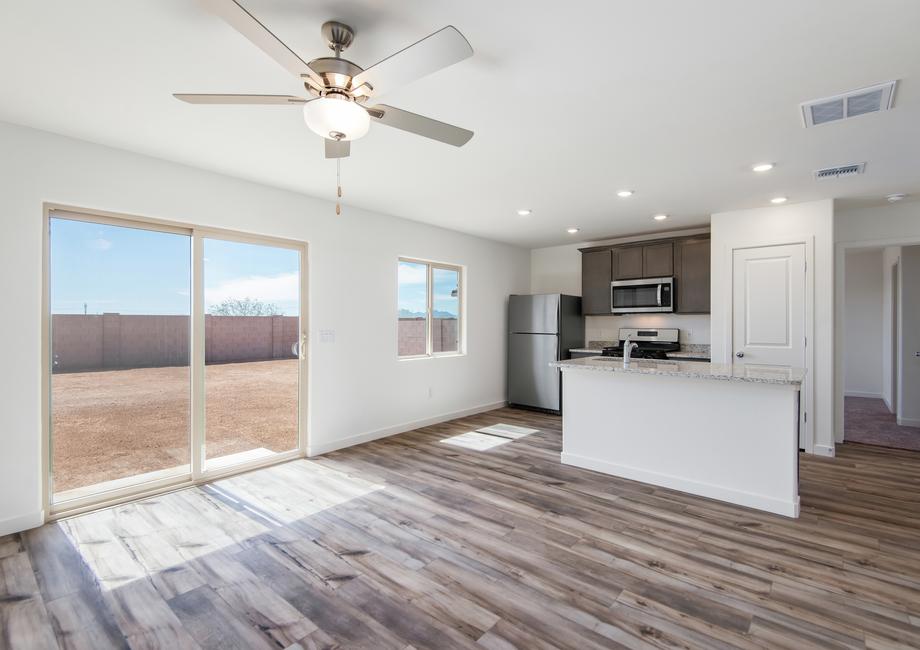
(769, 306)
(768, 313)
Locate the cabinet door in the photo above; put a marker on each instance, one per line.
(595, 282)
(693, 276)
(627, 263)
(658, 260)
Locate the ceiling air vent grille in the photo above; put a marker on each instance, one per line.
(841, 171)
(856, 102)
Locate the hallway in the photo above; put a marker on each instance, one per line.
(868, 421)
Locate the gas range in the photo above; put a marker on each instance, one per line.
(652, 343)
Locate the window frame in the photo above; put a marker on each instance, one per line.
(430, 267)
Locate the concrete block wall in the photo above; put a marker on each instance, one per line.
(412, 335)
(112, 341)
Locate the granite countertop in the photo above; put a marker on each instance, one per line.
(693, 369)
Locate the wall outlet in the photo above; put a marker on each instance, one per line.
(429, 392)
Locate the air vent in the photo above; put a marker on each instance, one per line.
(841, 171)
(856, 102)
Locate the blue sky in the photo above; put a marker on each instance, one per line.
(413, 288)
(134, 271)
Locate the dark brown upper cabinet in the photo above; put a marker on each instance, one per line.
(595, 281)
(658, 260)
(627, 263)
(684, 258)
(692, 261)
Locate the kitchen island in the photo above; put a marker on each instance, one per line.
(719, 431)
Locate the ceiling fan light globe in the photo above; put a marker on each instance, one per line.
(328, 115)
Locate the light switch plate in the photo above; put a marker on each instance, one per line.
(327, 336)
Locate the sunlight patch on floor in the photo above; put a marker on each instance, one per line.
(488, 437)
(160, 534)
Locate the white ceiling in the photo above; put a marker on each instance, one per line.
(570, 101)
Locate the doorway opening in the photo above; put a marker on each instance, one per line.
(174, 355)
(881, 328)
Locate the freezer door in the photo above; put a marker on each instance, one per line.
(531, 381)
(534, 314)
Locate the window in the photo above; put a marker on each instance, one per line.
(429, 304)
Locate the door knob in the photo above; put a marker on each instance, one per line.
(740, 355)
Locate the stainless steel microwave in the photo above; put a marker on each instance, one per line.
(642, 296)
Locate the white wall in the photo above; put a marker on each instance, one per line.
(863, 324)
(358, 390)
(878, 225)
(814, 222)
(557, 269)
(909, 404)
(890, 257)
(885, 225)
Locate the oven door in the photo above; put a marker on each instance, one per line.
(642, 296)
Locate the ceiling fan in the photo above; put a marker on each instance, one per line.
(341, 101)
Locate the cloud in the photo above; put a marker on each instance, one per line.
(412, 273)
(100, 244)
(279, 288)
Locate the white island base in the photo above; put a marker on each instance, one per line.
(732, 439)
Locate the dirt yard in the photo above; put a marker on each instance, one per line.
(117, 423)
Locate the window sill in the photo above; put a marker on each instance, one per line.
(443, 355)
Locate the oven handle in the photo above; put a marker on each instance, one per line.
(659, 294)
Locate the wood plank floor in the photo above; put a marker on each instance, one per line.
(411, 543)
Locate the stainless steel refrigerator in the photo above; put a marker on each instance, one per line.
(541, 328)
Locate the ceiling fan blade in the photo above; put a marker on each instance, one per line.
(337, 148)
(420, 125)
(239, 99)
(249, 26)
(439, 50)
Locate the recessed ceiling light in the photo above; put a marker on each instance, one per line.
(778, 200)
(572, 231)
(624, 194)
(762, 167)
(894, 198)
(524, 212)
(660, 217)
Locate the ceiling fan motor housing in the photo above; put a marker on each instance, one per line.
(336, 73)
(338, 35)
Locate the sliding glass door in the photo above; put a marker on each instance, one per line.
(252, 340)
(120, 395)
(174, 354)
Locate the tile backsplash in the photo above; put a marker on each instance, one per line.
(694, 328)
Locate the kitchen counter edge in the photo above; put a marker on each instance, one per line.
(691, 369)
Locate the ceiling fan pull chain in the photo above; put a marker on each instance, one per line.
(338, 182)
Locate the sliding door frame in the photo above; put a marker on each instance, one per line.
(198, 473)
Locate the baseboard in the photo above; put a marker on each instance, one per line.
(825, 450)
(370, 436)
(909, 422)
(738, 497)
(888, 404)
(21, 523)
(856, 393)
